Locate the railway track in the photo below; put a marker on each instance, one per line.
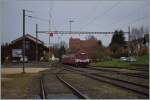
(127, 74)
(127, 85)
(74, 91)
(114, 74)
(132, 68)
(124, 81)
(43, 92)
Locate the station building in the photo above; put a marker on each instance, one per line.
(15, 48)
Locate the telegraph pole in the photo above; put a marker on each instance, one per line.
(36, 44)
(49, 37)
(23, 39)
(70, 21)
(23, 42)
(129, 50)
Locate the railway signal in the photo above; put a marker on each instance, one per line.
(50, 34)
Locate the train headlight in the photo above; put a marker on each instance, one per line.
(77, 60)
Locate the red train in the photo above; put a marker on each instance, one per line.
(76, 59)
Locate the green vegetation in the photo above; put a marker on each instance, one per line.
(118, 45)
(122, 64)
(113, 63)
(142, 60)
(61, 51)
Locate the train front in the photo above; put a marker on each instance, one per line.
(82, 58)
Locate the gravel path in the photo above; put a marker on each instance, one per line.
(19, 70)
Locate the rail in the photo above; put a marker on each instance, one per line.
(43, 92)
(73, 89)
(128, 74)
(127, 85)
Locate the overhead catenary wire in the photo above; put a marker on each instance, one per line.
(101, 15)
(52, 20)
(51, 8)
(50, 15)
(104, 13)
(134, 21)
(93, 9)
(44, 20)
(124, 17)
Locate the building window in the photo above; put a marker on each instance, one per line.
(27, 44)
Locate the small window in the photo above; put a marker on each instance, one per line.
(27, 44)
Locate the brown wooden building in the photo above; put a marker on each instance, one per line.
(14, 50)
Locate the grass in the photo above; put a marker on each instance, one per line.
(123, 64)
(113, 63)
(17, 86)
(142, 60)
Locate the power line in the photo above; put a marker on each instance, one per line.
(50, 15)
(127, 16)
(42, 19)
(90, 11)
(104, 13)
(134, 21)
(139, 19)
(51, 8)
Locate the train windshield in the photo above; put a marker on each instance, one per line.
(82, 56)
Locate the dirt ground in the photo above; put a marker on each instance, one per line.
(16, 85)
(20, 86)
(19, 70)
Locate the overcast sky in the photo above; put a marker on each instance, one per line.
(97, 15)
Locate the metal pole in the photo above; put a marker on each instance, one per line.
(70, 26)
(23, 39)
(49, 38)
(129, 50)
(70, 21)
(36, 44)
(49, 47)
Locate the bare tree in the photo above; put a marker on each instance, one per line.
(137, 39)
